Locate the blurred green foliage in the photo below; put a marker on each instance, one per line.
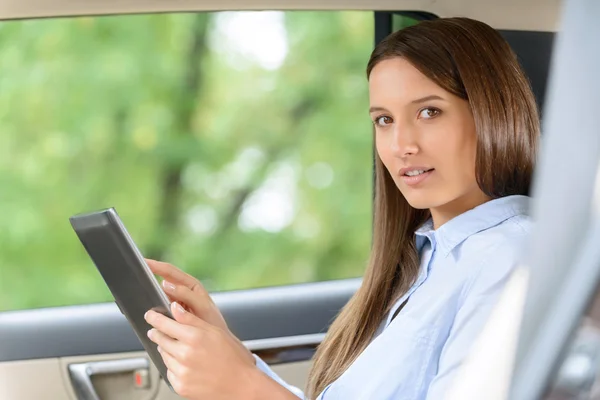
(242, 171)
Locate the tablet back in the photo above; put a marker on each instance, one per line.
(125, 272)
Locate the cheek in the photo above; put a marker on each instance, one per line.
(464, 160)
(469, 151)
(454, 153)
(466, 176)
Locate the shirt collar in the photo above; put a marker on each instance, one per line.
(478, 219)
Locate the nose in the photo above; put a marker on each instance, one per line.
(404, 141)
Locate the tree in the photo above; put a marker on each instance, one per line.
(191, 140)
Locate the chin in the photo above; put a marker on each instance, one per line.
(422, 201)
(420, 205)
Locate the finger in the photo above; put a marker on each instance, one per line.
(165, 342)
(173, 328)
(184, 317)
(196, 299)
(175, 384)
(170, 361)
(171, 273)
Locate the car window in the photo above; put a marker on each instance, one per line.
(235, 145)
(401, 20)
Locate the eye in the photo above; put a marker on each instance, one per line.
(429, 112)
(383, 121)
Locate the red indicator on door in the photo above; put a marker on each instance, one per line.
(141, 378)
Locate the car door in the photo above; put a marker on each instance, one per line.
(235, 145)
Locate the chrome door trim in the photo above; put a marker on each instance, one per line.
(286, 349)
(285, 342)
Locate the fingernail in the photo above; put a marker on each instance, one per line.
(146, 315)
(179, 308)
(168, 285)
(150, 333)
(158, 349)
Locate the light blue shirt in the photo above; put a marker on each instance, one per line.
(464, 266)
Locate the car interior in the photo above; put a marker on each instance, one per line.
(89, 351)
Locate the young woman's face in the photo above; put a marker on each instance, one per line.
(425, 137)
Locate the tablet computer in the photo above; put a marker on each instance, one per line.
(125, 272)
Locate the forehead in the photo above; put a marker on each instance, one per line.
(396, 79)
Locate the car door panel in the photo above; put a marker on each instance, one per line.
(33, 379)
(283, 325)
(49, 379)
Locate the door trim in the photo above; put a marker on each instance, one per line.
(285, 318)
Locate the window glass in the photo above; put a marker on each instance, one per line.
(400, 21)
(234, 145)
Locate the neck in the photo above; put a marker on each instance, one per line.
(444, 213)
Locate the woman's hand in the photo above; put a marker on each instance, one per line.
(203, 360)
(189, 292)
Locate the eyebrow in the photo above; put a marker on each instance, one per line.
(417, 101)
(426, 98)
(373, 109)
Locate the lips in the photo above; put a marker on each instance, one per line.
(404, 171)
(416, 179)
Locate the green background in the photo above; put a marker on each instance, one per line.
(159, 117)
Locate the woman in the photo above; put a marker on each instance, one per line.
(456, 132)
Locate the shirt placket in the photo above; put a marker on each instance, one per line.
(423, 273)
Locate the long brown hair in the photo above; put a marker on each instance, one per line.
(472, 61)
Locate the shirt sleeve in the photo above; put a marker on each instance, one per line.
(480, 299)
(269, 372)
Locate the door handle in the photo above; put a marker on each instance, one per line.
(81, 374)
